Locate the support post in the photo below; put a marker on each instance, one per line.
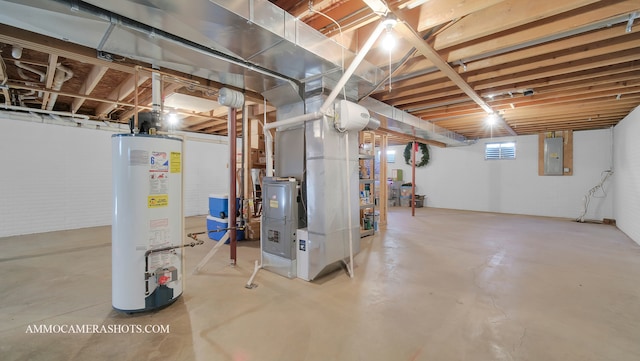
(232, 183)
(135, 102)
(413, 175)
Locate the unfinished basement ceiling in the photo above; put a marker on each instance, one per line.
(542, 66)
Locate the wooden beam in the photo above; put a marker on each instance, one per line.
(430, 53)
(437, 12)
(561, 79)
(3, 79)
(64, 93)
(591, 14)
(51, 70)
(90, 82)
(588, 58)
(409, 137)
(506, 15)
(119, 93)
(626, 56)
(65, 49)
(557, 46)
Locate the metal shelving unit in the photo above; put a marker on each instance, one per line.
(367, 192)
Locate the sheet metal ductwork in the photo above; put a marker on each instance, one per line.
(246, 44)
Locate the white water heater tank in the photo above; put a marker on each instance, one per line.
(147, 223)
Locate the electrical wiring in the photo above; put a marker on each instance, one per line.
(593, 193)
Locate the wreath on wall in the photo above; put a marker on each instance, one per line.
(425, 154)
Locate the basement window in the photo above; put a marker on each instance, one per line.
(504, 150)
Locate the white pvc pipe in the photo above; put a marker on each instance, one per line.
(61, 75)
(44, 111)
(31, 69)
(352, 67)
(294, 120)
(269, 139)
(212, 252)
(350, 223)
(256, 268)
(156, 92)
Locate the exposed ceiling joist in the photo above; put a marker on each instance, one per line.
(90, 83)
(430, 53)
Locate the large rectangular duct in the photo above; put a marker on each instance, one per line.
(247, 44)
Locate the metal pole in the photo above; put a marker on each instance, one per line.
(413, 175)
(135, 101)
(232, 183)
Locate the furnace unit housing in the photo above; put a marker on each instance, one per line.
(280, 220)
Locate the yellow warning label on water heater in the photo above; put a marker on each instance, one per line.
(273, 203)
(158, 200)
(176, 162)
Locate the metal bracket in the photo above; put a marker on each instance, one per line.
(103, 55)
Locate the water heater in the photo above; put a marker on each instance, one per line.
(147, 223)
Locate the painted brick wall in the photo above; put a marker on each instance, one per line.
(59, 177)
(460, 178)
(627, 175)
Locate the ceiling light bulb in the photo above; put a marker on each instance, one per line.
(172, 119)
(491, 119)
(388, 41)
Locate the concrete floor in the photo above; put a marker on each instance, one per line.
(445, 285)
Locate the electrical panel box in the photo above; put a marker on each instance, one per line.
(553, 156)
(279, 217)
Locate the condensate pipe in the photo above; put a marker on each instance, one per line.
(349, 221)
(355, 63)
(62, 74)
(31, 69)
(156, 98)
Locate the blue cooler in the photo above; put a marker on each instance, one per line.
(219, 205)
(214, 223)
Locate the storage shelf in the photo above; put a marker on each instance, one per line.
(367, 186)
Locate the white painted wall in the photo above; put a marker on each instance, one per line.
(206, 167)
(626, 178)
(56, 177)
(460, 178)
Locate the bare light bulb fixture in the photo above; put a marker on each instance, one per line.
(389, 41)
(172, 119)
(492, 118)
